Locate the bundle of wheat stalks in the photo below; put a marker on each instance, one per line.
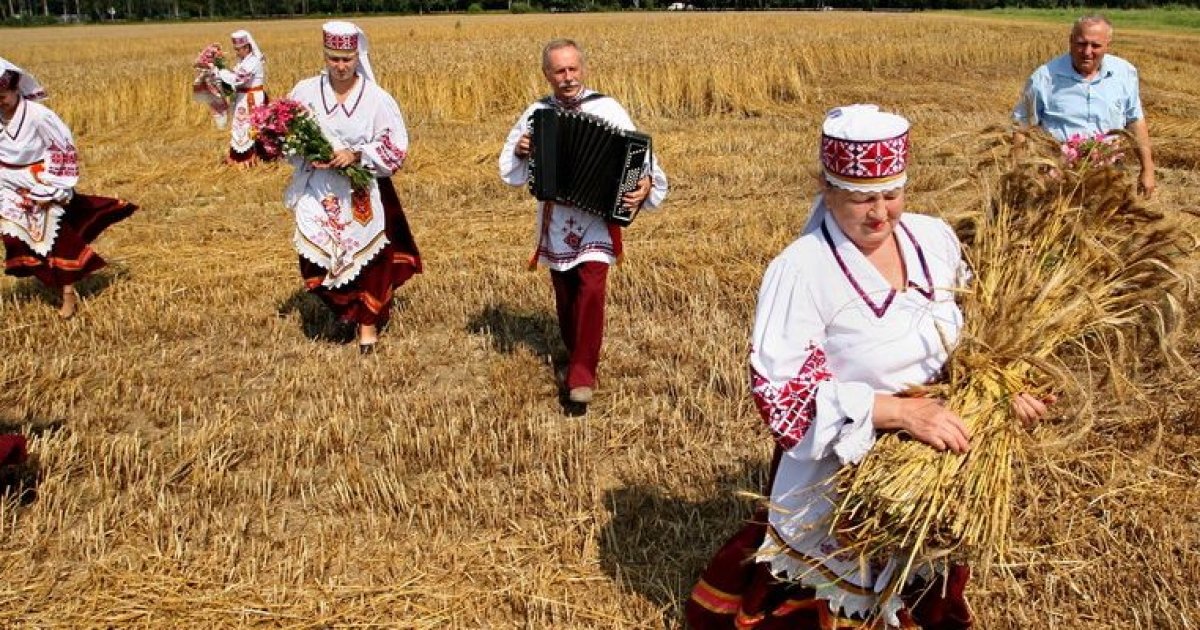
(1074, 280)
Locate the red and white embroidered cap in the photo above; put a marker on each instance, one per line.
(340, 36)
(864, 149)
(344, 37)
(244, 38)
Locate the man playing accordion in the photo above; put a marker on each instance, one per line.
(577, 246)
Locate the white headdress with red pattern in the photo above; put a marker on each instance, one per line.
(864, 149)
(27, 85)
(242, 38)
(346, 37)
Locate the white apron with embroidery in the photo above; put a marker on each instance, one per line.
(39, 168)
(335, 229)
(248, 79)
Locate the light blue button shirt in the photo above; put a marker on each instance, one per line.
(1064, 103)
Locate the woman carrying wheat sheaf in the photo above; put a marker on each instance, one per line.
(354, 243)
(858, 309)
(47, 227)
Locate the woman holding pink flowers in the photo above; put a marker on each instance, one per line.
(47, 228)
(351, 233)
(247, 79)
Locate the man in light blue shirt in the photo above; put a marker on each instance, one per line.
(1088, 92)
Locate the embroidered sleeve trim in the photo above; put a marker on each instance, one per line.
(391, 155)
(789, 408)
(62, 161)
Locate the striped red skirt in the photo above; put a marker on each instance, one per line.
(72, 258)
(367, 300)
(736, 593)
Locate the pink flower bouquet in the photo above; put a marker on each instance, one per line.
(285, 127)
(207, 88)
(1101, 149)
(211, 56)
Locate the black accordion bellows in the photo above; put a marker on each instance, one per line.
(583, 160)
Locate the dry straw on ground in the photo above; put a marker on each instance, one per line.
(211, 459)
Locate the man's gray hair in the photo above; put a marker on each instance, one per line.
(1091, 20)
(557, 44)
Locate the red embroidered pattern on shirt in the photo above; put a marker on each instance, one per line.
(789, 408)
(63, 162)
(563, 257)
(391, 155)
(573, 234)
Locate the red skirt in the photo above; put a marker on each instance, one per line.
(737, 593)
(255, 153)
(15, 472)
(71, 258)
(367, 300)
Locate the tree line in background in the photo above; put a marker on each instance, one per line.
(15, 12)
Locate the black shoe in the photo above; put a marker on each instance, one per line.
(367, 348)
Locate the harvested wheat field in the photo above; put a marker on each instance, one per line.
(210, 458)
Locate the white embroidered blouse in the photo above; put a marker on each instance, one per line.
(38, 163)
(830, 333)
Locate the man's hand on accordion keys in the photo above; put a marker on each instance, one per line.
(636, 197)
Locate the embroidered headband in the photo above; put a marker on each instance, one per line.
(240, 38)
(340, 36)
(864, 149)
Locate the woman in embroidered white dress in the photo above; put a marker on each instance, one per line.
(248, 79)
(857, 309)
(355, 246)
(47, 228)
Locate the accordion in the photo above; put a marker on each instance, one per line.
(583, 160)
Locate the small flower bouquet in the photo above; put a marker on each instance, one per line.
(207, 88)
(285, 127)
(1101, 149)
(211, 56)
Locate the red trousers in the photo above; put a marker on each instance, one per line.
(579, 294)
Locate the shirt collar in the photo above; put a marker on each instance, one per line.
(573, 104)
(329, 97)
(866, 280)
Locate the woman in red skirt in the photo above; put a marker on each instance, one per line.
(354, 242)
(855, 311)
(47, 228)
